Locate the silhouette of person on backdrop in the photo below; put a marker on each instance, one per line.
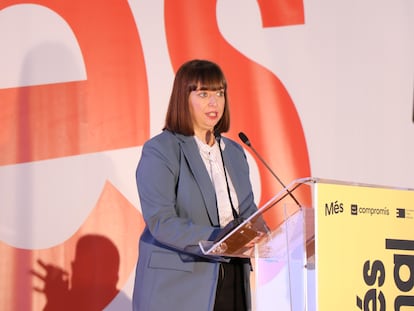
(92, 285)
(192, 182)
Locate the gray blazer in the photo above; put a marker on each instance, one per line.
(178, 204)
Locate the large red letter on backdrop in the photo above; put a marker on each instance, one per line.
(260, 105)
(109, 110)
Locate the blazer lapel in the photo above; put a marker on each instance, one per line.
(198, 168)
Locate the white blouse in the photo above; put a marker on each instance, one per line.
(212, 159)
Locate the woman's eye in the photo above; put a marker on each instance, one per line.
(206, 94)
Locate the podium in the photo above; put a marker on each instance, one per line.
(328, 245)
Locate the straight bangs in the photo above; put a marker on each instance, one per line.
(209, 79)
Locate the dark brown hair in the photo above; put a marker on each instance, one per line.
(192, 74)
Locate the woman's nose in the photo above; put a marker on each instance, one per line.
(212, 99)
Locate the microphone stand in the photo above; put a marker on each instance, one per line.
(246, 141)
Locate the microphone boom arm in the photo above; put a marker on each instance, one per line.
(246, 141)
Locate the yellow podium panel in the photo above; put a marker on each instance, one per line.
(364, 247)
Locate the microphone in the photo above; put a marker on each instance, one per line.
(247, 142)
